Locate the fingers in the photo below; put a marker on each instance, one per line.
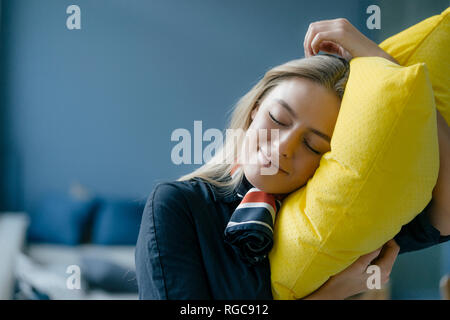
(334, 26)
(385, 261)
(388, 255)
(320, 37)
(312, 30)
(366, 259)
(306, 42)
(305, 45)
(330, 47)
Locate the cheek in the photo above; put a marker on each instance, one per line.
(280, 183)
(305, 166)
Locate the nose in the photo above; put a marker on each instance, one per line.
(286, 143)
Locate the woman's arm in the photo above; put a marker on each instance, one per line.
(353, 279)
(168, 259)
(339, 36)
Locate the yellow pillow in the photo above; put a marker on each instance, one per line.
(379, 174)
(428, 42)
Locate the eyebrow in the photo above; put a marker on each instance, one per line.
(320, 134)
(287, 107)
(291, 111)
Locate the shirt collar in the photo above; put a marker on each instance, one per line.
(236, 195)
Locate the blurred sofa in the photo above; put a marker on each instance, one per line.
(12, 238)
(107, 272)
(67, 231)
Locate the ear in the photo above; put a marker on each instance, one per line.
(254, 111)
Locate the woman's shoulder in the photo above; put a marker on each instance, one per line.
(185, 191)
(181, 195)
(172, 201)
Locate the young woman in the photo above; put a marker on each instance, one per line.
(181, 252)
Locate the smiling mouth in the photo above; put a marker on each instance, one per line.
(268, 162)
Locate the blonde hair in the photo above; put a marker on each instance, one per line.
(327, 70)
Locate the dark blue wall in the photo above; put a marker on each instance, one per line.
(98, 105)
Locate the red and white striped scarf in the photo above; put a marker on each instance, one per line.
(250, 228)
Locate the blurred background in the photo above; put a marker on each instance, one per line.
(86, 118)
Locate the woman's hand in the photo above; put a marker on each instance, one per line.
(340, 37)
(353, 280)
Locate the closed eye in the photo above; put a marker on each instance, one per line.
(275, 120)
(309, 147)
(304, 140)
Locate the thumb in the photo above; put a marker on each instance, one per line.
(366, 259)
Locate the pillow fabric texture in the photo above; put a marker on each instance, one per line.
(428, 42)
(379, 174)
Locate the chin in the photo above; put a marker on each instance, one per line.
(266, 183)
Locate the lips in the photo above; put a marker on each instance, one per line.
(266, 161)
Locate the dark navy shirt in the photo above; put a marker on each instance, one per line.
(181, 252)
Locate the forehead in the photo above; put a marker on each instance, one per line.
(310, 101)
(300, 91)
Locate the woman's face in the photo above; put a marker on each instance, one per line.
(305, 114)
